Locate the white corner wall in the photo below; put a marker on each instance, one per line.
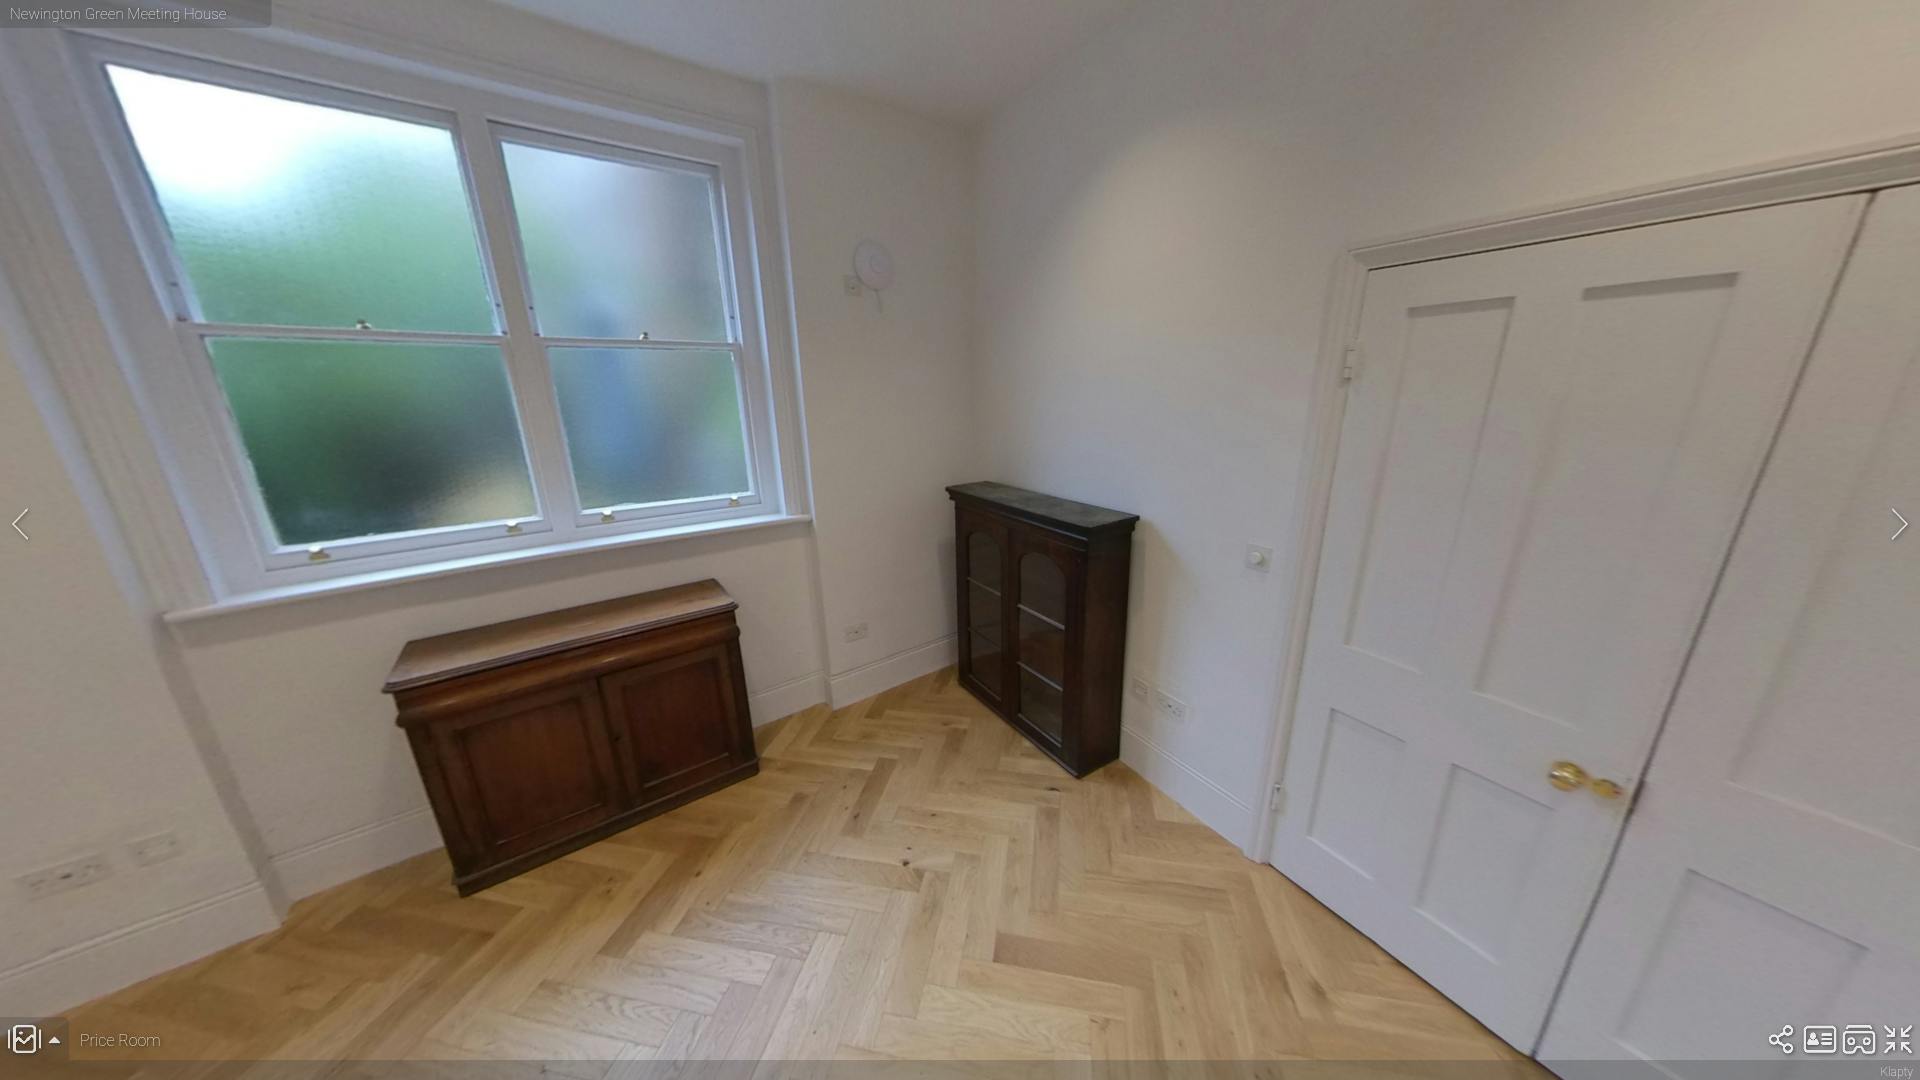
(1160, 218)
(94, 753)
(886, 379)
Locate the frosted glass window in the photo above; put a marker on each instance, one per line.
(617, 249)
(347, 375)
(651, 425)
(294, 214)
(352, 438)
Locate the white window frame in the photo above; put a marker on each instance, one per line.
(168, 364)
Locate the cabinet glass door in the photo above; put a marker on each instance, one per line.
(986, 639)
(1041, 659)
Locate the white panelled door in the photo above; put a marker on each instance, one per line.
(1771, 875)
(1543, 461)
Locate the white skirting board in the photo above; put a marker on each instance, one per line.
(1218, 808)
(325, 863)
(889, 672)
(82, 972)
(781, 701)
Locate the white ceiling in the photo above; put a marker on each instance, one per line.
(953, 58)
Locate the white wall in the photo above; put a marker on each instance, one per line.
(1159, 220)
(93, 751)
(886, 379)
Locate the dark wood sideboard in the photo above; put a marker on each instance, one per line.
(1043, 616)
(541, 735)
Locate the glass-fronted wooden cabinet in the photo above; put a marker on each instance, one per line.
(1042, 600)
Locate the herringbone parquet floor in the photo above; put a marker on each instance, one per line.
(905, 879)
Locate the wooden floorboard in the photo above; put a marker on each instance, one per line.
(907, 879)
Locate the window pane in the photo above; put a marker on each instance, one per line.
(352, 439)
(650, 425)
(305, 215)
(617, 250)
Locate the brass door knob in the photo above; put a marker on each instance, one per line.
(1566, 776)
(1605, 788)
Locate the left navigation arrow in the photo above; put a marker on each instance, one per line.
(18, 529)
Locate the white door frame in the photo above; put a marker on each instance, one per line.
(1886, 163)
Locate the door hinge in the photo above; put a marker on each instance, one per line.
(1350, 364)
(1277, 798)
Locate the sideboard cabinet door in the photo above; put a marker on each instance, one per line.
(528, 770)
(678, 722)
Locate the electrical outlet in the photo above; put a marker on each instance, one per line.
(1139, 689)
(154, 849)
(856, 632)
(1169, 708)
(69, 875)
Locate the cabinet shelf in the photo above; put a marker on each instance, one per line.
(1055, 623)
(1024, 666)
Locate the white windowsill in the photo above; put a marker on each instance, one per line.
(376, 579)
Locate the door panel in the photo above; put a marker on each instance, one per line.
(676, 722)
(1769, 874)
(1638, 358)
(1423, 478)
(1542, 463)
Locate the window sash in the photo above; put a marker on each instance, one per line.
(278, 556)
(502, 134)
(615, 513)
(238, 545)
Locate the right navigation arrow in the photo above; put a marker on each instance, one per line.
(1903, 524)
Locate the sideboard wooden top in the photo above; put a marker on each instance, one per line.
(463, 652)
